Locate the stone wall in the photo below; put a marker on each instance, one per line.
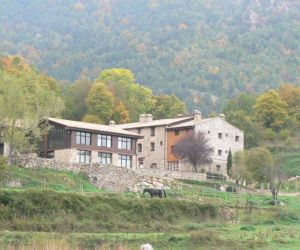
(106, 177)
(174, 174)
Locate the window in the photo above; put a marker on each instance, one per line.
(83, 156)
(176, 132)
(152, 146)
(141, 162)
(83, 138)
(218, 168)
(125, 161)
(152, 131)
(104, 158)
(161, 143)
(219, 152)
(173, 165)
(153, 165)
(220, 135)
(172, 149)
(104, 141)
(140, 147)
(208, 132)
(237, 138)
(124, 143)
(50, 154)
(226, 135)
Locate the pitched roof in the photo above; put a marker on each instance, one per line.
(93, 127)
(154, 123)
(191, 124)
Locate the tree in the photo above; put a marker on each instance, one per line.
(75, 96)
(120, 113)
(167, 106)
(91, 119)
(136, 98)
(271, 110)
(100, 102)
(194, 149)
(229, 163)
(262, 167)
(239, 170)
(24, 102)
(3, 169)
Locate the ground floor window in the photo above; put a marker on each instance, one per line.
(173, 165)
(104, 158)
(125, 161)
(141, 162)
(50, 154)
(83, 156)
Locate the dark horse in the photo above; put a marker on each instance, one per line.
(153, 192)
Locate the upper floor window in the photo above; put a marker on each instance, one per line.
(172, 149)
(237, 138)
(124, 143)
(104, 158)
(152, 131)
(83, 156)
(152, 146)
(83, 138)
(140, 147)
(220, 135)
(125, 161)
(219, 152)
(104, 141)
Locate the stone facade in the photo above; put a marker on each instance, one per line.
(222, 137)
(153, 150)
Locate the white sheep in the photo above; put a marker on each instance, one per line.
(146, 247)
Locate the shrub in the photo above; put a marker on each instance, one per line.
(215, 176)
(248, 228)
(231, 189)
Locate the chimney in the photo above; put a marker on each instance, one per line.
(149, 118)
(222, 116)
(112, 123)
(197, 116)
(142, 118)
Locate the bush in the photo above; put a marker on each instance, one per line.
(215, 176)
(231, 189)
(248, 228)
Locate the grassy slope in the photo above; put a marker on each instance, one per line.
(192, 217)
(46, 178)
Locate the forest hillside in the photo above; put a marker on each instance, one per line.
(202, 51)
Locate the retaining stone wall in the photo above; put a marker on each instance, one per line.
(106, 177)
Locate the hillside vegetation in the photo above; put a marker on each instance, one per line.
(203, 51)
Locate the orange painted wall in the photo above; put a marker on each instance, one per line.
(172, 138)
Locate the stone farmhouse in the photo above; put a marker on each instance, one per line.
(81, 142)
(154, 149)
(221, 135)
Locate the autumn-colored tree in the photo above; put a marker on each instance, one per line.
(291, 95)
(271, 110)
(194, 149)
(100, 102)
(91, 119)
(168, 106)
(136, 98)
(24, 101)
(120, 113)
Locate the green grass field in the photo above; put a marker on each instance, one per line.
(63, 210)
